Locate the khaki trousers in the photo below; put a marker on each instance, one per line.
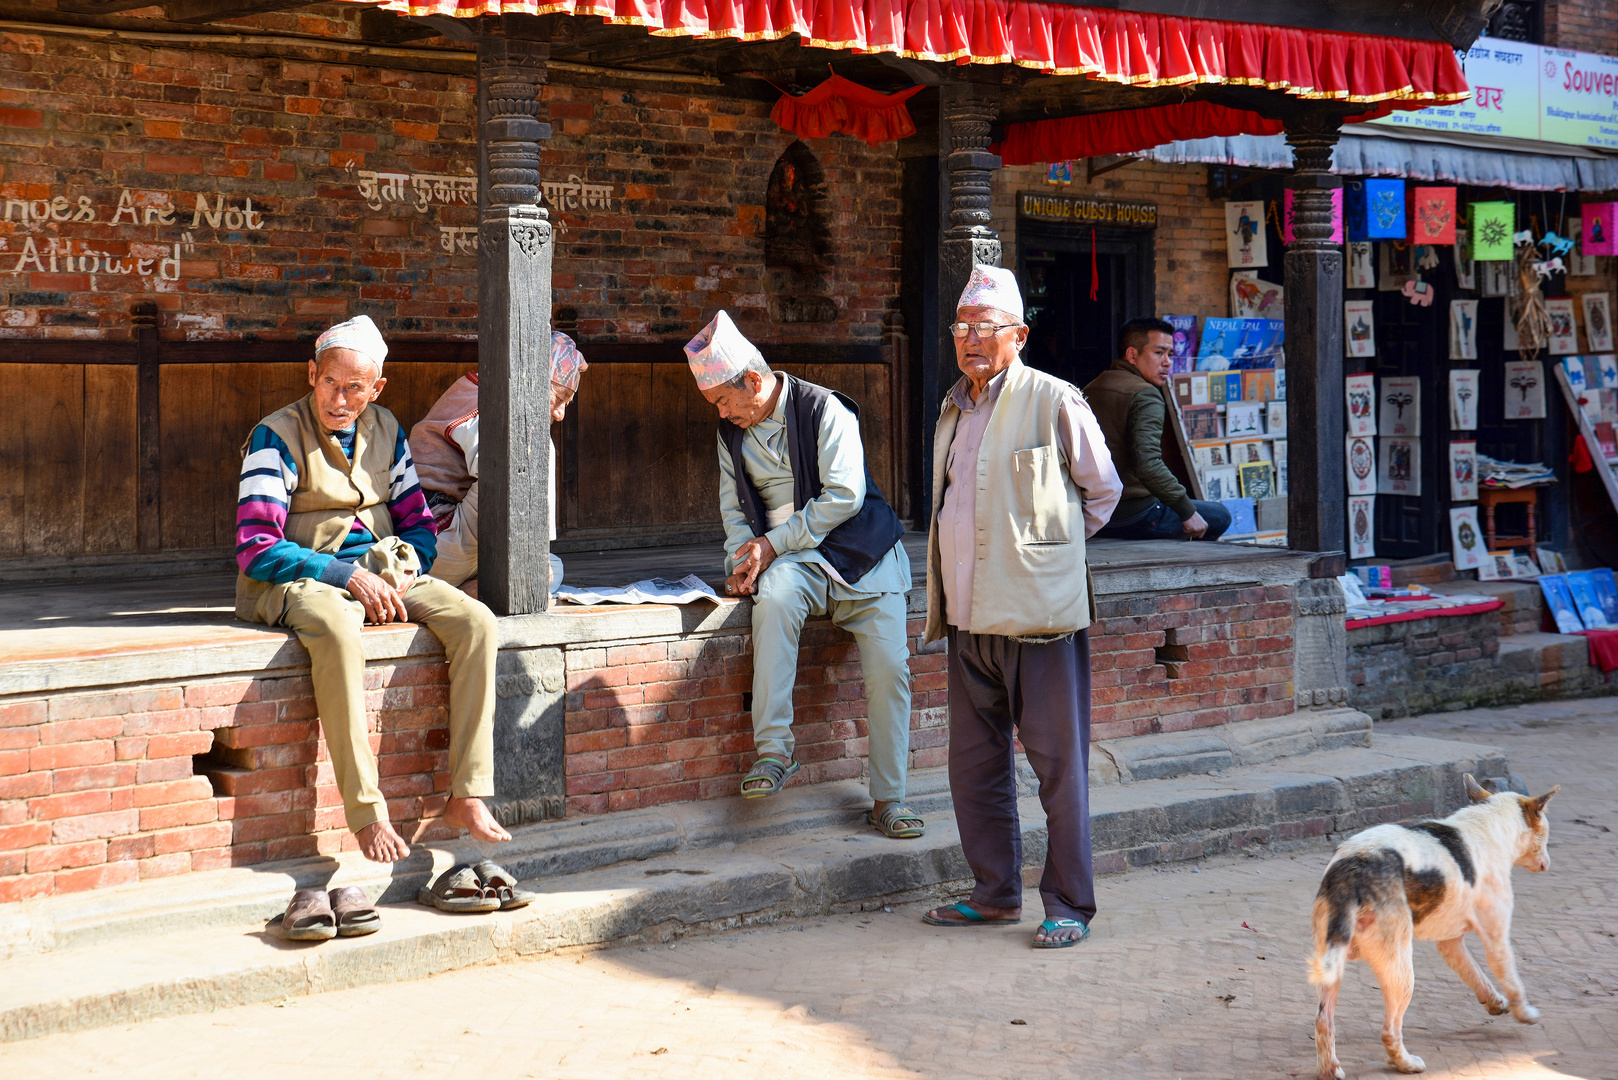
(327, 620)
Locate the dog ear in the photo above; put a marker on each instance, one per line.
(1475, 791)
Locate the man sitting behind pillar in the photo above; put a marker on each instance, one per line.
(444, 444)
(332, 532)
(1128, 402)
(808, 533)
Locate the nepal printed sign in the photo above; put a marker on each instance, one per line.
(1532, 92)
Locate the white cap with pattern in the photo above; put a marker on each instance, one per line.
(992, 286)
(358, 334)
(719, 353)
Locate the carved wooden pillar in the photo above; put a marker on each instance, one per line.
(965, 114)
(1316, 495)
(514, 330)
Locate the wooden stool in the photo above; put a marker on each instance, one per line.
(1489, 498)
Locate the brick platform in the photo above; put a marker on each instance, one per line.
(102, 785)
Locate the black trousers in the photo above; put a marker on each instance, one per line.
(997, 686)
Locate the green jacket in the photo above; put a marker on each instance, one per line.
(1132, 412)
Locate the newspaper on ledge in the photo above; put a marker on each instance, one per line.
(651, 591)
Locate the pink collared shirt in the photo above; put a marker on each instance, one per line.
(1089, 462)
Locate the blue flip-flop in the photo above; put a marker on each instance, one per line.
(1050, 925)
(969, 916)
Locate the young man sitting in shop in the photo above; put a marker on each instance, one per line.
(1128, 402)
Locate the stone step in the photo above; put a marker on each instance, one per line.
(202, 942)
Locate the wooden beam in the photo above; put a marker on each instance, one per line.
(99, 7)
(148, 430)
(201, 11)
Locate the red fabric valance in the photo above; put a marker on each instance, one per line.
(1124, 47)
(840, 104)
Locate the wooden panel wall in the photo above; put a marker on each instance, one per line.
(67, 460)
(646, 443)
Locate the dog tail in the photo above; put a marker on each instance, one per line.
(1334, 928)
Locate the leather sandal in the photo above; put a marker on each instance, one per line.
(504, 885)
(356, 915)
(309, 917)
(459, 891)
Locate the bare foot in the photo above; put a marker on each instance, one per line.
(948, 914)
(380, 843)
(474, 817)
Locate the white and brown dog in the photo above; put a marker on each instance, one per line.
(1435, 880)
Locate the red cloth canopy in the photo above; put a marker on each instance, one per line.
(840, 104)
(1133, 48)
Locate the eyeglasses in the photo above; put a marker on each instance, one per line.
(984, 329)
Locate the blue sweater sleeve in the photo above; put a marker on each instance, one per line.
(263, 552)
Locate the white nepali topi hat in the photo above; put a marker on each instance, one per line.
(720, 353)
(567, 363)
(992, 286)
(358, 334)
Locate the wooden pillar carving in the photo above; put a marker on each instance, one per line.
(514, 330)
(148, 430)
(1316, 496)
(966, 113)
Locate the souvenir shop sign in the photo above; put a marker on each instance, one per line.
(1522, 91)
(1076, 210)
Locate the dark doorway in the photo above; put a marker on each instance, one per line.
(1071, 335)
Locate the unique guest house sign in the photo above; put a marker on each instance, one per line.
(1076, 210)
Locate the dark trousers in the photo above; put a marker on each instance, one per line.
(998, 685)
(1158, 522)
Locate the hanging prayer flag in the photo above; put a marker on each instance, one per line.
(1433, 214)
(1400, 413)
(1564, 329)
(1525, 390)
(1463, 399)
(1361, 465)
(1467, 537)
(1360, 392)
(1361, 542)
(1336, 217)
(1359, 326)
(1489, 228)
(1598, 320)
(1245, 243)
(1375, 209)
(1463, 329)
(1600, 229)
(1463, 471)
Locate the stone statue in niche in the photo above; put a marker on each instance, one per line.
(797, 240)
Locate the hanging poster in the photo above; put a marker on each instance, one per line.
(1579, 264)
(1463, 472)
(1499, 278)
(1466, 268)
(1463, 329)
(1359, 326)
(1396, 268)
(1245, 243)
(1598, 320)
(1400, 410)
(1360, 392)
(1361, 532)
(1463, 399)
(1374, 209)
(1525, 390)
(1361, 466)
(1251, 298)
(1489, 227)
(1400, 461)
(1336, 217)
(1600, 228)
(1467, 537)
(1434, 215)
(1564, 329)
(1185, 340)
(1361, 274)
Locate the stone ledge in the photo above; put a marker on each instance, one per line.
(157, 949)
(1254, 742)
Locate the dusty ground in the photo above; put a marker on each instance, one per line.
(1173, 984)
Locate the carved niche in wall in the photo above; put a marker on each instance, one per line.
(797, 240)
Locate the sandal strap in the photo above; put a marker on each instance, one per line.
(896, 812)
(766, 768)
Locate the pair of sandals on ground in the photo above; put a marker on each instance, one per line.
(769, 775)
(465, 889)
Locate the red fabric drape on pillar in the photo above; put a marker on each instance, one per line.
(840, 104)
(1126, 47)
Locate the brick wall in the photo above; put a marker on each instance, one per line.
(1585, 25)
(1192, 275)
(106, 787)
(229, 189)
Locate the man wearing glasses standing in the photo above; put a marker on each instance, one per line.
(1021, 477)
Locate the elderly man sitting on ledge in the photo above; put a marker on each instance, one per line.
(332, 532)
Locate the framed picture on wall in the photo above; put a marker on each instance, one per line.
(1401, 467)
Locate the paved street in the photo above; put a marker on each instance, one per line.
(1196, 971)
